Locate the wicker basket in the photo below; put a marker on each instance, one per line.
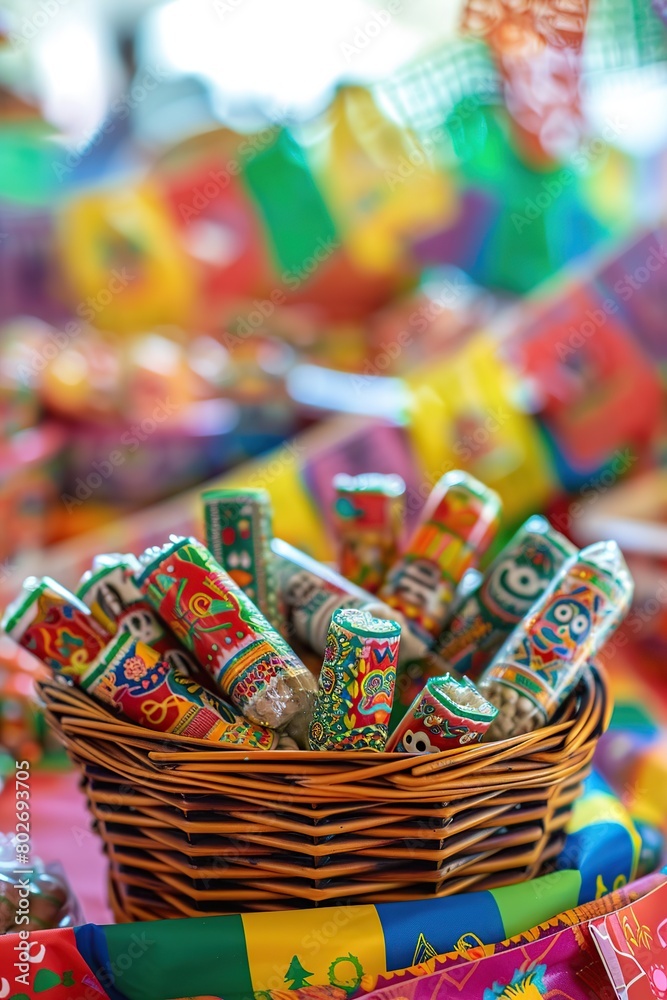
(192, 830)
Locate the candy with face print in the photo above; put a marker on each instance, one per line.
(108, 589)
(564, 625)
(513, 582)
(115, 600)
(312, 592)
(417, 742)
(543, 658)
(446, 713)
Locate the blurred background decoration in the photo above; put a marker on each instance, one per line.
(223, 221)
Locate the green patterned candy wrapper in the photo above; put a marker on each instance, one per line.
(446, 713)
(231, 639)
(513, 582)
(55, 626)
(543, 658)
(238, 525)
(356, 687)
(130, 676)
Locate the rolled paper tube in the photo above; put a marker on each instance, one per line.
(108, 589)
(470, 582)
(368, 512)
(356, 687)
(411, 676)
(543, 658)
(459, 521)
(55, 626)
(117, 603)
(446, 713)
(131, 677)
(249, 661)
(312, 592)
(238, 525)
(144, 624)
(516, 578)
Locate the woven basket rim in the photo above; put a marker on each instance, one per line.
(83, 711)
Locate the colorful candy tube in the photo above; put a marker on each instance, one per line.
(55, 626)
(130, 676)
(238, 525)
(446, 713)
(311, 592)
(249, 661)
(356, 688)
(368, 512)
(115, 600)
(459, 521)
(108, 589)
(542, 659)
(509, 588)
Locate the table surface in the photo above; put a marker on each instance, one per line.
(61, 831)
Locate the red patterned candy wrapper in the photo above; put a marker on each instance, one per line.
(109, 590)
(445, 714)
(458, 523)
(131, 677)
(356, 689)
(232, 640)
(55, 626)
(369, 519)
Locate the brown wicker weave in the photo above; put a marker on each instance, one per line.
(190, 829)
